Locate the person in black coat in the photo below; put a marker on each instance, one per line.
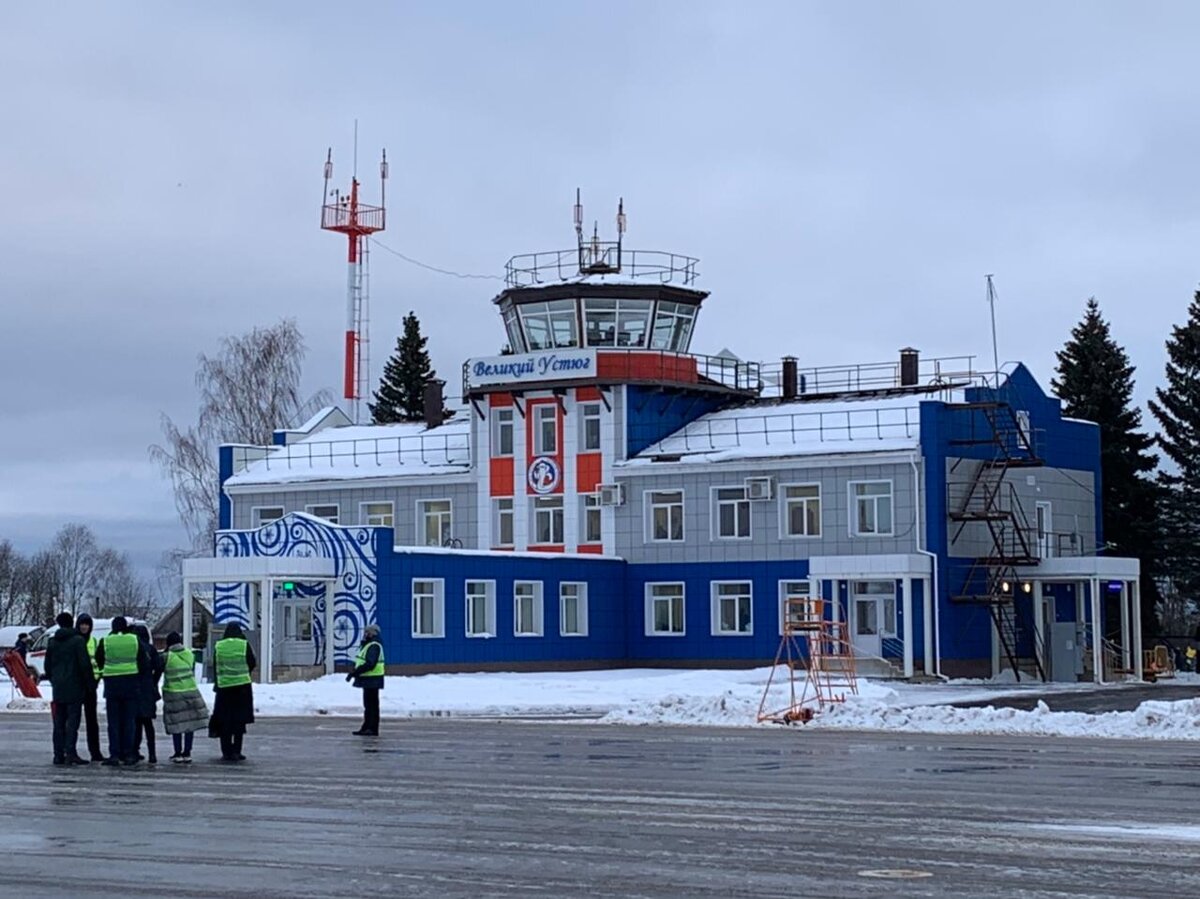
(22, 645)
(70, 671)
(148, 695)
(370, 659)
(233, 706)
(121, 699)
(84, 625)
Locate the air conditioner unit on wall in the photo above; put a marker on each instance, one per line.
(612, 494)
(760, 488)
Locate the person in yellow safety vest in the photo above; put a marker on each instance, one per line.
(233, 707)
(367, 675)
(122, 657)
(184, 711)
(84, 625)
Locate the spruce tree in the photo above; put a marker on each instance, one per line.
(1177, 408)
(401, 393)
(1095, 382)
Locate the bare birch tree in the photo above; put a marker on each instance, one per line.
(10, 564)
(77, 560)
(248, 389)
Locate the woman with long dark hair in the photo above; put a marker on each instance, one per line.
(233, 706)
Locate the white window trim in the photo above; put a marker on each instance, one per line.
(648, 621)
(853, 506)
(539, 605)
(583, 420)
(714, 513)
(534, 509)
(648, 515)
(363, 517)
(785, 519)
(439, 608)
(309, 511)
(783, 596)
(254, 519)
(714, 610)
(512, 512)
(489, 610)
(420, 519)
(538, 449)
(583, 516)
(494, 434)
(582, 599)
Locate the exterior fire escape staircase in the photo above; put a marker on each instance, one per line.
(987, 497)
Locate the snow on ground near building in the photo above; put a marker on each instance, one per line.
(713, 698)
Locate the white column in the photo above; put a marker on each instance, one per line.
(329, 660)
(1126, 659)
(187, 614)
(835, 592)
(265, 603)
(1097, 633)
(1136, 588)
(1039, 619)
(906, 611)
(927, 621)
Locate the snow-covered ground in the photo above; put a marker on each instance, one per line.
(714, 698)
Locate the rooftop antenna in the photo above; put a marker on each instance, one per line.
(991, 298)
(596, 257)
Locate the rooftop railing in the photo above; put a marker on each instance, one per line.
(535, 269)
(933, 373)
(416, 450)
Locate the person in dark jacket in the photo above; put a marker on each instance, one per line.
(148, 696)
(22, 645)
(122, 659)
(233, 702)
(367, 675)
(69, 671)
(83, 624)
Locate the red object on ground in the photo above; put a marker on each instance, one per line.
(15, 666)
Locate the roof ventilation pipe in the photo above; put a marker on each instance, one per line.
(791, 381)
(910, 364)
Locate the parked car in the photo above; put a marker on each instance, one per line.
(35, 660)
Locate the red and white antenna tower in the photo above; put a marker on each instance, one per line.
(358, 221)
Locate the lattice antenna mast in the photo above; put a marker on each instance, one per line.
(598, 257)
(358, 221)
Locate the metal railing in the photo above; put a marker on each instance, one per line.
(783, 428)
(534, 269)
(452, 449)
(338, 215)
(947, 372)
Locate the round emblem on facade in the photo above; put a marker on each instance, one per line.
(543, 474)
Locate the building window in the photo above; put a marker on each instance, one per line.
(665, 515)
(802, 510)
(545, 429)
(502, 432)
(872, 505)
(732, 513)
(548, 520)
(550, 325)
(589, 439)
(616, 322)
(591, 518)
(572, 610)
(266, 514)
(664, 609)
(377, 515)
(481, 608)
(527, 608)
(428, 612)
(732, 608)
(434, 520)
(503, 521)
(672, 326)
(330, 512)
(791, 590)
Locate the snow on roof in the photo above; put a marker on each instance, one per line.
(364, 451)
(794, 429)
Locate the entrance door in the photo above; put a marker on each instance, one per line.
(293, 632)
(874, 611)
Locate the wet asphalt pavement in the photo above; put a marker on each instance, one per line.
(462, 808)
(1124, 698)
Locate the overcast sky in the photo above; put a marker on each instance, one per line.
(846, 172)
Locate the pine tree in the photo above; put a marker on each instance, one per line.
(1177, 408)
(1095, 382)
(401, 393)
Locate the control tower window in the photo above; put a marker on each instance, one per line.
(550, 325)
(672, 326)
(620, 323)
(515, 341)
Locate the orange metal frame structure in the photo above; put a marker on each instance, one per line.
(817, 650)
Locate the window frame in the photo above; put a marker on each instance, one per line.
(256, 520)
(421, 523)
(489, 611)
(785, 595)
(590, 507)
(590, 412)
(581, 609)
(538, 609)
(715, 504)
(853, 506)
(785, 518)
(539, 445)
(438, 597)
(365, 517)
(553, 503)
(497, 516)
(499, 426)
(715, 599)
(649, 505)
(308, 510)
(650, 600)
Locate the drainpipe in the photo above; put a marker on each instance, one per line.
(935, 601)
